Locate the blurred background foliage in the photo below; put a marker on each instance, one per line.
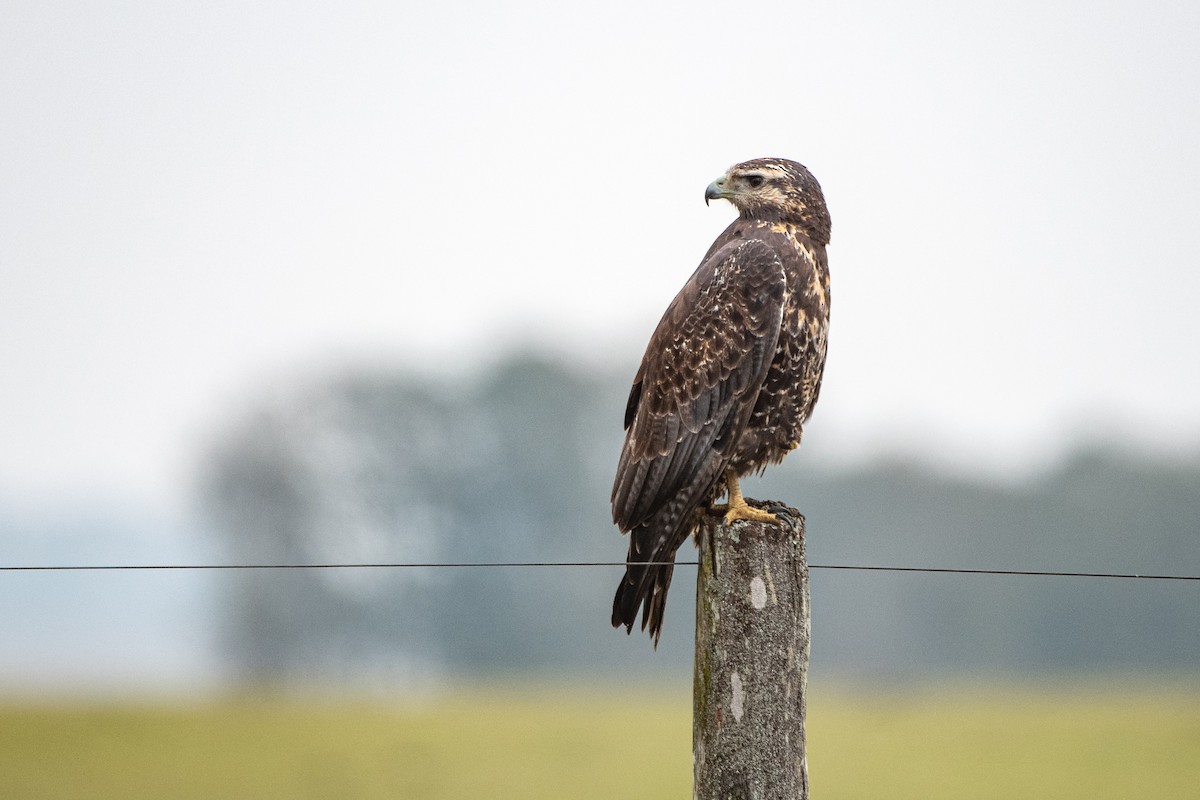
(515, 464)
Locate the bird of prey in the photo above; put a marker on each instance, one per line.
(728, 379)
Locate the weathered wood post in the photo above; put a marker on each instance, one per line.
(751, 672)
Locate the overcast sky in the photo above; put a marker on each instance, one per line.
(197, 200)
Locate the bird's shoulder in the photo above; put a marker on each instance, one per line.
(741, 263)
(715, 331)
(803, 259)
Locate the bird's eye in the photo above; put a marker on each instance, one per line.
(755, 181)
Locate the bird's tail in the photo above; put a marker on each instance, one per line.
(649, 565)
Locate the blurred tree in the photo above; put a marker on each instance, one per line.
(394, 468)
(516, 464)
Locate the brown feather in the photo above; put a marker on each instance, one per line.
(728, 378)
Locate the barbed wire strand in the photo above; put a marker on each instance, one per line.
(516, 564)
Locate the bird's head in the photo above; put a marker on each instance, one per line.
(774, 189)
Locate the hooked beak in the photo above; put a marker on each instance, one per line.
(715, 190)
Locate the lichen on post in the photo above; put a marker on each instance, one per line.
(751, 669)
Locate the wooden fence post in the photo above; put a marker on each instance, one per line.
(751, 671)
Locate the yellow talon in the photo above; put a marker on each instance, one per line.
(737, 507)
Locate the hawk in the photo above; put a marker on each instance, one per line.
(729, 378)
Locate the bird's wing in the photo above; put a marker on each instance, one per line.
(699, 379)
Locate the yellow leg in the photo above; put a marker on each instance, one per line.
(737, 506)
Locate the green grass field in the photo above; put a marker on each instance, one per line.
(606, 744)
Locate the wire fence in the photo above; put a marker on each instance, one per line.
(566, 564)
